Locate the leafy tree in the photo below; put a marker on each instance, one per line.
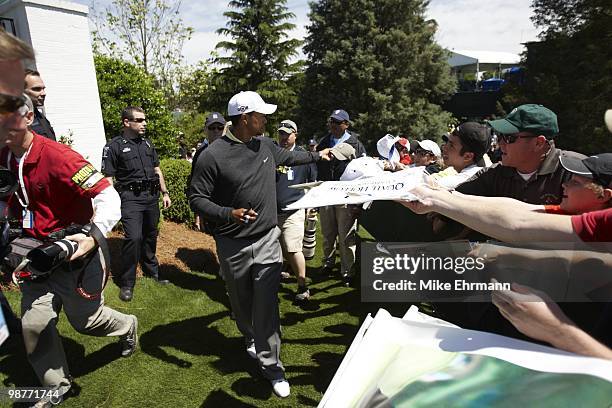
(570, 70)
(567, 17)
(192, 125)
(149, 33)
(194, 89)
(122, 84)
(379, 61)
(258, 56)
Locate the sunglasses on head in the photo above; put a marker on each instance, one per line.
(10, 103)
(511, 138)
(215, 127)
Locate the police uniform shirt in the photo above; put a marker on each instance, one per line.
(41, 125)
(129, 160)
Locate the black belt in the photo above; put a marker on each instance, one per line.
(139, 186)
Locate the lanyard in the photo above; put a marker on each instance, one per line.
(25, 201)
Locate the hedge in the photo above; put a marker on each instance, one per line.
(176, 173)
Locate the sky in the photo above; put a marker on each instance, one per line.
(476, 25)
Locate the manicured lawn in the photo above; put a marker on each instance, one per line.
(191, 353)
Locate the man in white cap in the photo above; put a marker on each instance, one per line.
(233, 187)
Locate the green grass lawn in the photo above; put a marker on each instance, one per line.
(191, 353)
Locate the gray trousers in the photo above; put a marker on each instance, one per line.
(41, 303)
(251, 270)
(337, 221)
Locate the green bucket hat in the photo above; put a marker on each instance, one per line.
(531, 118)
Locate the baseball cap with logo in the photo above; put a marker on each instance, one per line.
(474, 137)
(531, 118)
(343, 151)
(287, 126)
(312, 142)
(214, 117)
(248, 101)
(598, 167)
(340, 115)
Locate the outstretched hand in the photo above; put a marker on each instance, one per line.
(531, 311)
(325, 154)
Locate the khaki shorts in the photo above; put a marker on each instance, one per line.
(292, 230)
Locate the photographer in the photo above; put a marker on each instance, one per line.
(56, 189)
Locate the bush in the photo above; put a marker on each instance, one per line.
(176, 172)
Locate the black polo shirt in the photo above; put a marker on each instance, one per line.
(129, 160)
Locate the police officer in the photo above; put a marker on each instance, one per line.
(132, 160)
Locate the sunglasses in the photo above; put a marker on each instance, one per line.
(219, 128)
(422, 152)
(511, 138)
(138, 120)
(10, 103)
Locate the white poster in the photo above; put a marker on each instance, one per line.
(388, 186)
(421, 362)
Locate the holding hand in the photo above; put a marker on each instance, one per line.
(244, 216)
(426, 197)
(86, 245)
(325, 154)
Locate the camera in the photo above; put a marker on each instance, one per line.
(8, 182)
(46, 257)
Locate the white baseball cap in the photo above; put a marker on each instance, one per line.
(431, 146)
(248, 101)
(362, 167)
(608, 119)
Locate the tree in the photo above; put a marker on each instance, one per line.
(122, 84)
(149, 33)
(377, 60)
(258, 55)
(570, 70)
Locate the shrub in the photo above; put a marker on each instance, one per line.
(176, 172)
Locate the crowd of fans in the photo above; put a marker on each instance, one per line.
(241, 184)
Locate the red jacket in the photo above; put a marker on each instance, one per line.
(59, 183)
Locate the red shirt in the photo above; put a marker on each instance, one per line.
(595, 226)
(59, 183)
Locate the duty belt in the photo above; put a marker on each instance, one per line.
(139, 186)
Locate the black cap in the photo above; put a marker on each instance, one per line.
(214, 117)
(475, 138)
(598, 167)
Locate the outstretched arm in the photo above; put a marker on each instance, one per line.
(502, 218)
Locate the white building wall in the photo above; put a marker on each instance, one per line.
(59, 33)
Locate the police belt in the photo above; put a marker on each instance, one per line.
(139, 186)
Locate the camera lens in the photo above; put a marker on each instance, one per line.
(8, 182)
(46, 257)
